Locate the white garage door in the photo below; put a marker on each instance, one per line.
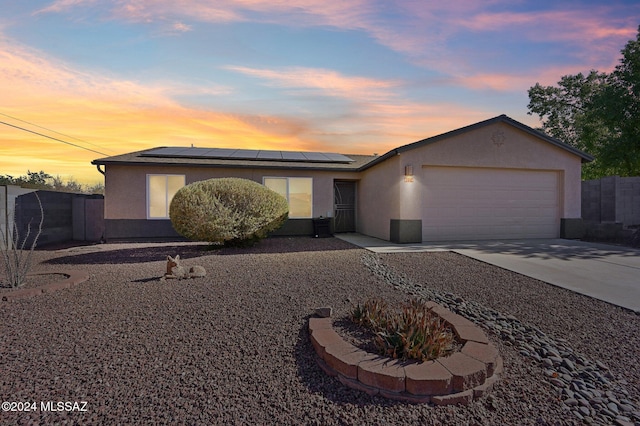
(478, 203)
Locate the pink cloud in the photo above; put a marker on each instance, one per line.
(422, 30)
(378, 119)
(586, 29)
(62, 5)
(570, 25)
(510, 82)
(323, 81)
(181, 27)
(501, 82)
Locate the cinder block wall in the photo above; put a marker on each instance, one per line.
(628, 201)
(67, 217)
(612, 199)
(591, 200)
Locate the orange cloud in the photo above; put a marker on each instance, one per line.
(116, 116)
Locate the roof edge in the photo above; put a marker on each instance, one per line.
(503, 118)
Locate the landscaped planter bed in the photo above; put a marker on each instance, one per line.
(455, 379)
(68, 279)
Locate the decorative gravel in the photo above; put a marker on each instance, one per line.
(233, 347)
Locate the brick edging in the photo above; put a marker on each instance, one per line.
(456, 379)
(74, 277)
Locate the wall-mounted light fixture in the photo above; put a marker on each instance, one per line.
(408, 170)
(408, 173)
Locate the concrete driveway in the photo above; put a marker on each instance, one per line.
(605, 272)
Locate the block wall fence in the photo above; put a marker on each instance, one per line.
(612, 199)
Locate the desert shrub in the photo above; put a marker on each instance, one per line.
(14, 250)
(373, 314)
(232, 211)
(413, 332)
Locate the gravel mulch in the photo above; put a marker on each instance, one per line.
(233, 347)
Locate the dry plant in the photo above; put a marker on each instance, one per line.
(16, 256)
(413, 332)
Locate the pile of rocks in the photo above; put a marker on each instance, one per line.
(588, 390)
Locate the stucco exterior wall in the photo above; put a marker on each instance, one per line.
(496, 146)
(126, 186)
(379, 198)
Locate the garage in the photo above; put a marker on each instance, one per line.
(471, 203)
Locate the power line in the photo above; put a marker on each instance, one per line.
(50, 130)
(55, 139)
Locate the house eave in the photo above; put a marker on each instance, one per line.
(288, 166)
(585, 158)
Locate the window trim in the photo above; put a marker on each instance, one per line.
(288, 202)
(166, 188)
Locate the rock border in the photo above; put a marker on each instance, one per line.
(456, 379)
(74, 277)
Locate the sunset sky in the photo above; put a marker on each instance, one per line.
(348, 76)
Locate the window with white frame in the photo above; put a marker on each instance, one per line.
(160, 192)
(297, 190)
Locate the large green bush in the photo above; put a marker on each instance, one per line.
(232, 211)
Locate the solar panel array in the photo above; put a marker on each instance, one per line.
(248, 154)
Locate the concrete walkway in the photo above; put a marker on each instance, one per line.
(605, 272)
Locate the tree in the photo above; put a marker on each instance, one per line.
(598, 113)
(42, 180)
(37, 180)
(618, 106)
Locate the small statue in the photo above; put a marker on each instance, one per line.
(177, 271)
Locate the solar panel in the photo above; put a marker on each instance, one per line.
(338, 157)
(247, 154)
(315, 156)
(269, 155)
(166, 151)
(293, 156)
(244, 154)
(220, 152)
(193, 152)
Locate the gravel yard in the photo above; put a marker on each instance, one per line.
(233, 347)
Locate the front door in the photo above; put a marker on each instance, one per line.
(344, 201)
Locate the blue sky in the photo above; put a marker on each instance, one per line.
(354, 76)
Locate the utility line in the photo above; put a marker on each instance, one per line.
(50, 130)
(55, 139)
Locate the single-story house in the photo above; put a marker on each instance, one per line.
(496, 179)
